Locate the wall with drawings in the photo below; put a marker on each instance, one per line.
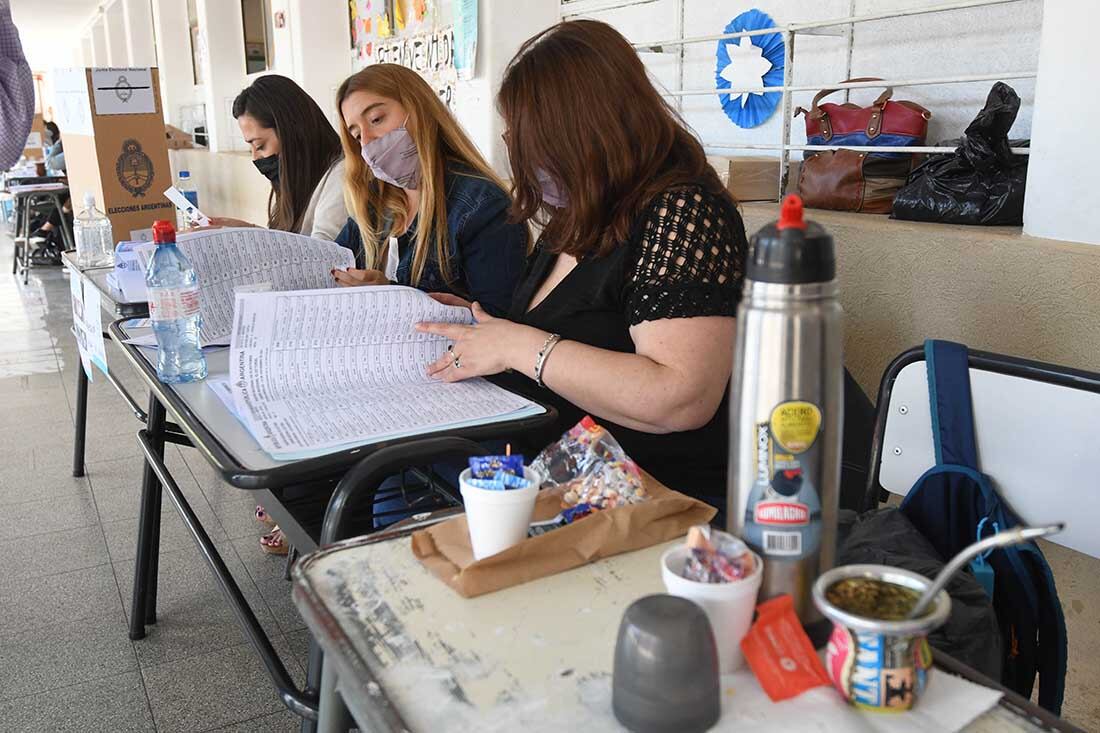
(418, 34)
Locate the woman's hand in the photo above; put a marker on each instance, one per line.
(351, 277)
(224, 221)
(489, 346)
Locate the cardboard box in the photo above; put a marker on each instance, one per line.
(35, 149)
(177, 138)
(115, 146)
(754, 178)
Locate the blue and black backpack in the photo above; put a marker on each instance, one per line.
(951, 504)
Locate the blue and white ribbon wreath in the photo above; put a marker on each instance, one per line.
(749, 61)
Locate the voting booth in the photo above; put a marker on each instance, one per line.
(35, 147)
(115, 145)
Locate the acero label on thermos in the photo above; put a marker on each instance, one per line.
(783, 517)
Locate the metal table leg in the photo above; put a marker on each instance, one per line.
(81, 415)
(26, 263)
(332, 714)
(146, 562)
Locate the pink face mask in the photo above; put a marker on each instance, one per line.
(552, 193)
(393, 158)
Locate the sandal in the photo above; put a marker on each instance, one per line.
(264, 518)
(274, 543)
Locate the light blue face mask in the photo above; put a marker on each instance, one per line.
(393, 158)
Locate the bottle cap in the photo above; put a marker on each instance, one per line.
(791, 250)
(89, 200)
(164, 232)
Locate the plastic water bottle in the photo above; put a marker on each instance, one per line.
(174, 309)
(95, 245)
(186, 186)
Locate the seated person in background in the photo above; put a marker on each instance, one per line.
(638, 269)
(428, 210)
(49, 251)
(294, 146)
(55, 150)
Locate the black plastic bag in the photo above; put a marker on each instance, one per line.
(981, 182)
(971, 634)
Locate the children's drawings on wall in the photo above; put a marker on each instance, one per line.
(418, 34)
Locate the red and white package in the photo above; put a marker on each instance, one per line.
(779, 652)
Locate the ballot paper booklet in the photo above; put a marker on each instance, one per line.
(315, 368)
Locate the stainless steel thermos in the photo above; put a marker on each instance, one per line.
(786, 406)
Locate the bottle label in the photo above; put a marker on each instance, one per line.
(783, 517)
(170, 304)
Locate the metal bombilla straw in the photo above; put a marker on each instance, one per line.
(1001, 539)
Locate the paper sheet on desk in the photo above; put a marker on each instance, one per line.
(226, 260)
(948, 704)
(313, 371)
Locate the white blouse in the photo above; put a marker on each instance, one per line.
(326, 214)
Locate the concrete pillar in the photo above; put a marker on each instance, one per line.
(115, 24)
(99, 42)
(319, 41)
(86, 53)
(502, 26)
(137, 17)
(221, 26)
(173, 37)
(1061, 199)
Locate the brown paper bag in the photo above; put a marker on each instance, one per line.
(445, 550)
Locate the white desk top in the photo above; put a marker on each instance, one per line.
(536, 657)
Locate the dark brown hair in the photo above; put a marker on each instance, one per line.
(308, 144)
(578, 104)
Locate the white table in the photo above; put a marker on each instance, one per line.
(405, 652)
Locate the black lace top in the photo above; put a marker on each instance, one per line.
(686, 258)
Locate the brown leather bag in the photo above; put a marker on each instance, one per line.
(849, 180)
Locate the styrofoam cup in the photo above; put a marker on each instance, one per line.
(498, 519)
(729, 606)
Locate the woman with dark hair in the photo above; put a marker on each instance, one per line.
(626, 310)
(296, 148)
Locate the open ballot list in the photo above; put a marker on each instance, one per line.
(312, 371)
(226, 260)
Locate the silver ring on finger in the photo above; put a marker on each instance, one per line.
(457, 363)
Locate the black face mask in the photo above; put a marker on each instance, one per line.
(269, 166)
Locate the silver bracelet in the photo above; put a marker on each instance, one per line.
(547, 346)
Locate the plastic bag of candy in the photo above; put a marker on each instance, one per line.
(592, 467)
(716, 556)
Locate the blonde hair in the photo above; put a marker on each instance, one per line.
(438, 138)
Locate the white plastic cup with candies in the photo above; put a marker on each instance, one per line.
(719, 573)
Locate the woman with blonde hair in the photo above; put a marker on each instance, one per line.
(427, 209)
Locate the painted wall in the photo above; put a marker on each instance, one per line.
(991, 288)
(975, 41)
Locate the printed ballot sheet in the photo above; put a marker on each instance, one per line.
(228, 260)
(314, 370)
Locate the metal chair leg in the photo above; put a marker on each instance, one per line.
(291, 558)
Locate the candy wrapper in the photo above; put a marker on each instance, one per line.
(592, 467)
(487, 467)
(716, 557)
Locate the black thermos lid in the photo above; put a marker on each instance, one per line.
(791, 250)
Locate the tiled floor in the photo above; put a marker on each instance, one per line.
(66, 663)
(67, 549)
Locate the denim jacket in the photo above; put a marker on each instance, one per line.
(487, 252)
